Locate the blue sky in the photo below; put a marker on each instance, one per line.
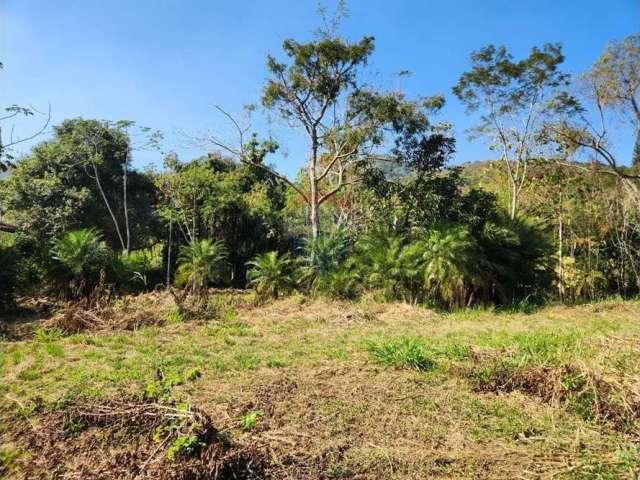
(165, 63)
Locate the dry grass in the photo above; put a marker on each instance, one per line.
(322, 404)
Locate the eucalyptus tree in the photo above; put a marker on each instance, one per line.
(515, 100)
(321, 91)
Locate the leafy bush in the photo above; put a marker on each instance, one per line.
(447, 263)
(322, 257)
(135, 269)
(380, 263)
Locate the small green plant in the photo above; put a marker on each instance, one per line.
(184, 445)
(276, 363)
(54, 349)
(30, 374)
(250, 420)
(408, 353)
(161, 387)
(247, 361)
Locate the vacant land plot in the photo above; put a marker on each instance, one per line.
(320, 389)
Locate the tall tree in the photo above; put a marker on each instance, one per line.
(611, 86)
(74, 181)
(515, 99)
(321, 90)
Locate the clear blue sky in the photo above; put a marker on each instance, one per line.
(164, 63)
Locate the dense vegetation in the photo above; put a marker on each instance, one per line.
(377, 206)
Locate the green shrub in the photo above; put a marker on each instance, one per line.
(184, 445)
(137, 269)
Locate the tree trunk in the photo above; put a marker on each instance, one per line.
(106, 202)
(560, 257)
(126, 208)
(514, 200)
(5, 227)
(314, 215)
(314, 218)
(169, 255)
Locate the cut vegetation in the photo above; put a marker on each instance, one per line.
(327, 389)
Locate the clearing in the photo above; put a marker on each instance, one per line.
(311, 389)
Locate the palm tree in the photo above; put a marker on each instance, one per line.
(380, 261)
(272, 274)
(84, 254)
(450, 259)
(201, 263)
(324, 257)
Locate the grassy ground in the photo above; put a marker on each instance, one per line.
(319, 389)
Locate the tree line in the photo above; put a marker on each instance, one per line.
(377, 207)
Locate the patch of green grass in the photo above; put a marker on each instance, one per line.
(247, 361)
(494, 417)
(30, 374)
(54, 349)
(409, 353)
(41, 335)
(8, 456)
(17, 356)
(276, 363)
(337, 353)
(228, 325)
(86, 339)
(175, 316)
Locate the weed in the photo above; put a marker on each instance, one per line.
(30, 374)
(175, 316)
(276, 363)
(54, 349)
(184, 445)
(250, 420)
(247, 361)
(51, 335)
(7, 460)
(16, 357)
(409, 353)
